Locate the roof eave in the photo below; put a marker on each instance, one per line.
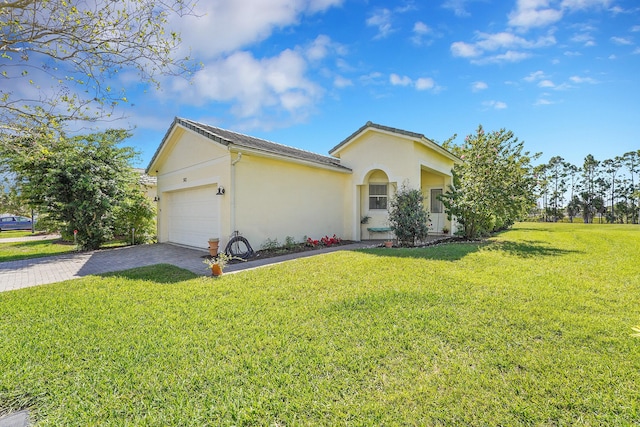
(397, 132)
(278, 156)
(149, 170)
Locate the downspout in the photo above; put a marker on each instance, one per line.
(233, 191)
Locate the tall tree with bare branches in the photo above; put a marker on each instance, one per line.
(60, 59)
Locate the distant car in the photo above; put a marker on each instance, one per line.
(15, 223)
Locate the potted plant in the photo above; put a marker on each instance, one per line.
(213, 246)
(445, 230)
(217, 263)
(388, 243)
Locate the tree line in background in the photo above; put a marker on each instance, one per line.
(608, 190)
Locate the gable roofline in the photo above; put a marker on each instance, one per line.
(405, 133)
(259, 146)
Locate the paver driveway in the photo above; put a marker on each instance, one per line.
(40, 271)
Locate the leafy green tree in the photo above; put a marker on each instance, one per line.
(76, 182)
(540, 173)
(611, 168)
(631, 160)
(134, 217)
(408, 218)
(557, 173)
(588, 193)
(573, 207)
(68, 53)
(493, 186)
(10, 200)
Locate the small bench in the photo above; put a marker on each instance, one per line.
(379, 229)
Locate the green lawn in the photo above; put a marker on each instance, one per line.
(40, 248)
(531, 328)
(33, 249)
(17, 233)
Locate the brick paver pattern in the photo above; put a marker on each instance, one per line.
(40, 271)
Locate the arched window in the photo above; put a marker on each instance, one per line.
(378, 191)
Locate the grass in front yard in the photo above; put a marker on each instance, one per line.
(41, 248)
(33, 249)
(531, 328)
(17, 233)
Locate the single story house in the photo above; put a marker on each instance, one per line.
(212, 181)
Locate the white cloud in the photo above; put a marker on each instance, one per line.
(319, 48)
(511, 44)
(381, 19)
(541, 13)
(478, 86)
(508, 56)
(221, 26)
(253, 85)
(465, 50)
(635, 28)
(425, 83)
(578, 79)
(546, 83)
(497, 105)
(420, 32)
(532, 14)
(584, 38)
(397, 80)
(536, 75)
(584, 4)
(421, 83)
(342, 82)
(457, 6)
(572, 53)
(621, 41)
(421, 28)
(544, 101)
(636, 51)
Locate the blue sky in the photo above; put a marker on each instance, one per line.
(563, 75)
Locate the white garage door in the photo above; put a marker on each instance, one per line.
(193, 216)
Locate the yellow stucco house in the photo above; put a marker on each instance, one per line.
(212, 181)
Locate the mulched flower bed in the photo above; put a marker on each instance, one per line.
(298, 248)
(294, 249)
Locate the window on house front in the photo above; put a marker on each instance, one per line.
(436, 205)
(377, 196)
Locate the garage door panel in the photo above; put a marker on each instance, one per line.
(193, 216)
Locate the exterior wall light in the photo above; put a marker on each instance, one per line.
(220, 191)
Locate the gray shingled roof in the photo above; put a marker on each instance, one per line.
(381, 127)
(227, 137)
(146, 179)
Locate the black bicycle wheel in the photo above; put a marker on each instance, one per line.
(239, 247)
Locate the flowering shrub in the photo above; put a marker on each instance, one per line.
(328, 241)
(325, 241)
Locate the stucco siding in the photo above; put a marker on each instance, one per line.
(275, 199)
(192, 161)
(432, 159)
(393, 155)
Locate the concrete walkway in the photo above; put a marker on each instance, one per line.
(40, 271)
